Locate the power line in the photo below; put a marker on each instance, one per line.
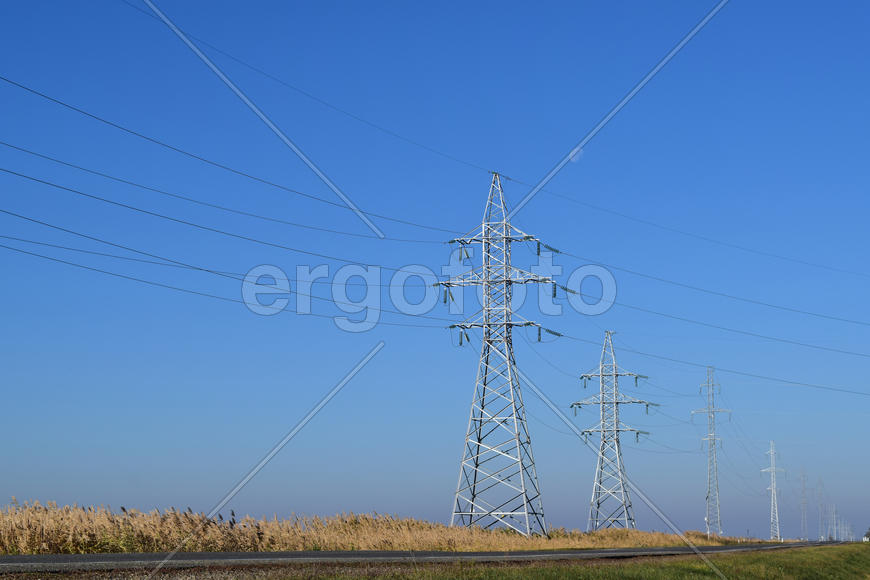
(725, 370)
(177, 263)
(161, 263)
(209, 161)
(701, 237)
(560, 335)
(346, 260)
(725, 328)
(326, 256)
(715, 292)
(209, 204)
(181, 289)
(634, 272)
(318, 228)
(473, 165)
(317, 99)
(186, 222)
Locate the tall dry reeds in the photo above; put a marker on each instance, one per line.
(33, 528)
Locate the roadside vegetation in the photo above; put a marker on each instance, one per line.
(32, 528)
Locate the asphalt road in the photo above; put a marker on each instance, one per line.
(95, 562)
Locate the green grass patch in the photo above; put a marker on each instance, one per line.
(825, 562)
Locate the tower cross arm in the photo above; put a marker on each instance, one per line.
(708, 410)
(476, 277)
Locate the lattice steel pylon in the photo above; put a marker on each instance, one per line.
(712, 519)
(820, 496)
(611, 502)
(774, 505)
(498, 482)
(805, 533)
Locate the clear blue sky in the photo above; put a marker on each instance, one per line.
(756, 135)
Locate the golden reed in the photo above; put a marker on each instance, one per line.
(33, 528)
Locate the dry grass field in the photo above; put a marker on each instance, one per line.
(32, 528)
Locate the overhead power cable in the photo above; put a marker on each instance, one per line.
(471, 164)
(708, 239)
(214, 163)
(315, 98)
(341, 259)
(209, 204)
(173, 262)
(725, 370)
(186, 222)
(713, 292)
(561, 335)
(336, 204)
(180, 289)
(720, 327)
(158, 262)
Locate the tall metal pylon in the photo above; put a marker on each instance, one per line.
(805, 533)
(712, 519)
(498, 483)
(611, 502)
(774, 505)
(820, 495)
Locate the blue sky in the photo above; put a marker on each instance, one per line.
(755, 135)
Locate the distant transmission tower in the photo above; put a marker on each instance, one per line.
(498, 483)
(774, 506)
(611, 502)
(805, 533)
(820, 495)
(712, 520)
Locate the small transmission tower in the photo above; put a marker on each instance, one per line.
(498, 483)
(712, 520)
(820, 495)
(774, 505)
(611, 502)
(805, 533)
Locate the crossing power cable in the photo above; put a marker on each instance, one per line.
(184, 290)
(156, 262)
(346, 260)
(209, 204)
(212, 162)
(315, 98)
(719, 368)
(471, 164)
(566, 253)
(560, 335)
(173, 262)
(712, 292)
(187, 222)
(699, 236)
(724, 328)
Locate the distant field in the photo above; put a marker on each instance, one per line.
(32, 528)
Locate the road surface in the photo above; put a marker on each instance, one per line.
(96, 562)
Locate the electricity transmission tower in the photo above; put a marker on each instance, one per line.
(498, 483)
(611, 502)
(712, 520)
(774, 506)
(805, 533)
(820, 494)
